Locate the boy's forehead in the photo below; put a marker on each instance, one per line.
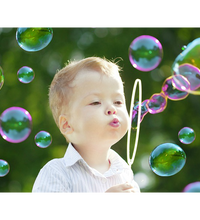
(89, 81)
(87, 75)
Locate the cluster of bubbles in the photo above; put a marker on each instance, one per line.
(145, 54)
(187, 66)
(16, 122)
(168, 159)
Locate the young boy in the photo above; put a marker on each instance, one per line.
(88, 105)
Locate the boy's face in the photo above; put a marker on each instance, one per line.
(97, 109)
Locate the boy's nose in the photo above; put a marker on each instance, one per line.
(111, 111)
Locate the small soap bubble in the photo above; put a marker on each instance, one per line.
(171, 91)
(192, 187)
(145, 53)
(16, 124)
(186, 135)
(4, 168)
(43, 139)
(187, 64)
(157, 103)
(1, 78)
(34, 39)
(144, 111)
(25, 74)
(167, 159)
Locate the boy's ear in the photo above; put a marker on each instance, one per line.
(64, 126)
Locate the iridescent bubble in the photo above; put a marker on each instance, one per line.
(192, 187)
(186, 135)
(171, 91)
(144, 111)
(1, 78)
(145, 53)
(187, 64)
(16, 124)
(43, 139)
(181, 83)
(4, 168)
(167, 159)
(157, 103)
(25, 74)
(34, 39)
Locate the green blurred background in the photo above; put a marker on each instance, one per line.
(26, 159)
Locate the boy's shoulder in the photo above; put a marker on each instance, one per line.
(55, 164)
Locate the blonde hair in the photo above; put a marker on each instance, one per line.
(59, 91)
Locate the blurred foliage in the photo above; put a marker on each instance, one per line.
(26, 159)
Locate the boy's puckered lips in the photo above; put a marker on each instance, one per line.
(114, 123)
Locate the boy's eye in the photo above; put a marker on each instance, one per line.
(118, 102)
(95, 103)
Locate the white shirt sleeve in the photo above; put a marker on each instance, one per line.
(50, 179)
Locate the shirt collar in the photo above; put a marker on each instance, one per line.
(117, 163)
(71, 156)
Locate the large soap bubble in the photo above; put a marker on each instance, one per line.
(145, 53)
(167, 159)
(16, 124)
(34, 39)
(187, 64)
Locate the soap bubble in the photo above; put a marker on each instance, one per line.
(144, 111)
(4, 168)
(1, 78)
(186, 135)
(157, 103)
(43, 139)
(16, 124)
(167, 159)
(34, 39)
(192, 187)
(145, 53)
(187, 64)
(170, 90)
(25, 74)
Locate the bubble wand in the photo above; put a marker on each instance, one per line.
(139, 83)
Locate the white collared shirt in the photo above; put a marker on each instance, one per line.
(72, 174)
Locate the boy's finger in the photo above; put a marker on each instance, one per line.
(126, 186)
(128, 191)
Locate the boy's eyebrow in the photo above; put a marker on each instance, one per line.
(99, 93)
(92, 93)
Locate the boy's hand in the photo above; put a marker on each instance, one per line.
(123, 188)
